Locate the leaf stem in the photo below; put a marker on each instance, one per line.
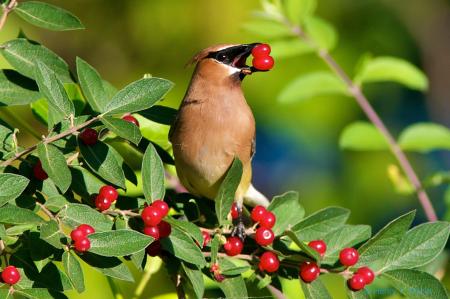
(6, 10)
(47, 140)
(356, 91)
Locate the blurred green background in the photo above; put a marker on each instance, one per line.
(297, 144)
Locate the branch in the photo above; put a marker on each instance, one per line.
(6, 10)
(49, 140)
(371, 114)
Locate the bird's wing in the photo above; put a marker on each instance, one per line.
(174, 125)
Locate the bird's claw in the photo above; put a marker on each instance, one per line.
(239, 230)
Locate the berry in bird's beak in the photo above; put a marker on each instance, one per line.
(262, 61)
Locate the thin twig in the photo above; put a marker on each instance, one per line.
(358, 95)
(128, 213)
(50, 140)
(6, 10)
(45, 210)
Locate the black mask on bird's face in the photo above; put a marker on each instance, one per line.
(235, 58)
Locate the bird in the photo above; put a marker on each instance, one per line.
(214, 124)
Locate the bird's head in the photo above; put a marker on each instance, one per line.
(224, 60)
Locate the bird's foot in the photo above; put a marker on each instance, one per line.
(239, 229)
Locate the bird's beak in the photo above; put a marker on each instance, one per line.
(243, 51)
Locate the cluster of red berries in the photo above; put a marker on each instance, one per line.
(262, 60)
(89, 136)
(106, 196)
(348, 257)
(264, 236)
(79, 236)
(154, 226)
(10, 275)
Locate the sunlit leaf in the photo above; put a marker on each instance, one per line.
(425, 137)
(362, 136)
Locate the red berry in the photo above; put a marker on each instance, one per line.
(257, 213)
(219, 277)
(86, 228)
(82, 245)
(151, 216)
(269, 262)
(89, 136)
(39, 172)
(348, 256)
(77, 234)
(234, 211)
(162, 206)
(108, 192)
(164, 229)
(233, 246)
(264, 236)
(131, 119)
(102, 203)
(154, 249)
(152, 231)
(206, 238)
(261, 50)
(267, 220)
(367, 273)
(264, 63)
(10, 275)
(356, 283)
(309, 271)
(319, 246)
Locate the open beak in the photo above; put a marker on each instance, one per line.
(240, 59)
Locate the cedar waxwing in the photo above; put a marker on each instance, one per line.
(215, 124)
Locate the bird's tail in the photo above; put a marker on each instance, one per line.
(253, 197)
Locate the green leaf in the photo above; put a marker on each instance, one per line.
(288, 211)
(285, 48)
(181, 245)
(375, 252)
(139, 95)
(11, 214)
(311, 85)
(322, 222)
(215, 244)
(47, 16)
(53, 89)
(302, 245)
(362, 294)
(5, 294)
(425, 137)
(55, 165)
(102, 159)
(50, 233)
(187, 227)
(416, 284)
(84, 183)
(195, 277)
(233, 287)
(37, 293)
(227, 191)
(315, 290)
(269, 29)
(392, 69)
(123, 129)
(75, 214)
(344, 237)
(24, 55)
(322, 32)
(16, 89)
(233, 271)
(109, 266)
(73, 270)
(11, 186)
(419, 246)
(118, 242)
(362, 136)
(6, 140)
(160, 114)
(152, 175)
(298, 10)
(139, 259)
(92, 85)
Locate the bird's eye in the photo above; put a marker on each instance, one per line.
(221, 57)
